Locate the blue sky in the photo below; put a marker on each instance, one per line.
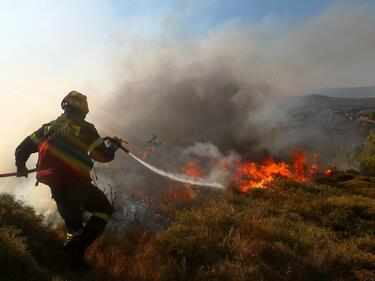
(219, 10)
(152, 17)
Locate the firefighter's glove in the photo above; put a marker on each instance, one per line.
(22, 171)
(115, 144)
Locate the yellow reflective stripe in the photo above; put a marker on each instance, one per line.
(46, 129)
(35, 139)
(76, 129)
(95, 144)
(103, 216)
(72, 235)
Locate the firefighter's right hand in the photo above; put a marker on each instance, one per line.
(22, 171)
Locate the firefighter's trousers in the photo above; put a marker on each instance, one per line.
(71, 199)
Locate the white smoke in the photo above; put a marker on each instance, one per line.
(214, 95)
(222, 88)
(226, 90)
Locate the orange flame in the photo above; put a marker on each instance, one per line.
(328, 172)
(179, 194)
(192, 169)
(249, 175)
(314, 166)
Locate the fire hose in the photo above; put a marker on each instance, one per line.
(172, 176)
(7, 175)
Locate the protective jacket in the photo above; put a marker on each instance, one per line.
(66, 147)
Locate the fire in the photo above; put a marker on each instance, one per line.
(192, 169)
(328, 172)
(249, 175)
(179, 194)
(299, 163)
(246, 174)
(314, 166)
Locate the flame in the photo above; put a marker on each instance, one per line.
(179, 194)
(328, 172)
(192, 169)
(314, 166)
(246, 175)
(299, 163)
(249, 175)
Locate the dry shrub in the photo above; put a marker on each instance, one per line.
(15, 261)
(283, 233)
(288, 231)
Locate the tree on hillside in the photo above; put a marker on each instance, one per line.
(368, 156)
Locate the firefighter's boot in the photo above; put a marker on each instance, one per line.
(77, 255)
(78, 242)
(92, 230)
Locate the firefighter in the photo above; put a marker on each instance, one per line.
(66, 147)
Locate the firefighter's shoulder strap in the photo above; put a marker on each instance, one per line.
(38, 136)
(61, 125)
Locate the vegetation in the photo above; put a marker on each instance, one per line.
(368, 156)
(319, 231)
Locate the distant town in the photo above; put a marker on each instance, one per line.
(339, 113)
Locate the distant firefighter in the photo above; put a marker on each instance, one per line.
(154, 141)
(66, 147)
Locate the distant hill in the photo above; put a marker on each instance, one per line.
(351, 92)
(332, 113)
(317, 103)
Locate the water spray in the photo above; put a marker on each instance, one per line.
(172, 176)
(178, 177)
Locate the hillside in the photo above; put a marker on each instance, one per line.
(323, 230)
(336, 112)
(349, 92)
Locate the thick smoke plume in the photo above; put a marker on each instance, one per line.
(221, 96)
(225, 94)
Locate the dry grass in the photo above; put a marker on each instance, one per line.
(320, 231)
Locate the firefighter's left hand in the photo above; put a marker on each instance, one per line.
(115, 143)
(22, 171)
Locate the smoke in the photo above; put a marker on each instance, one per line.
(217, 96)
(228, 89)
